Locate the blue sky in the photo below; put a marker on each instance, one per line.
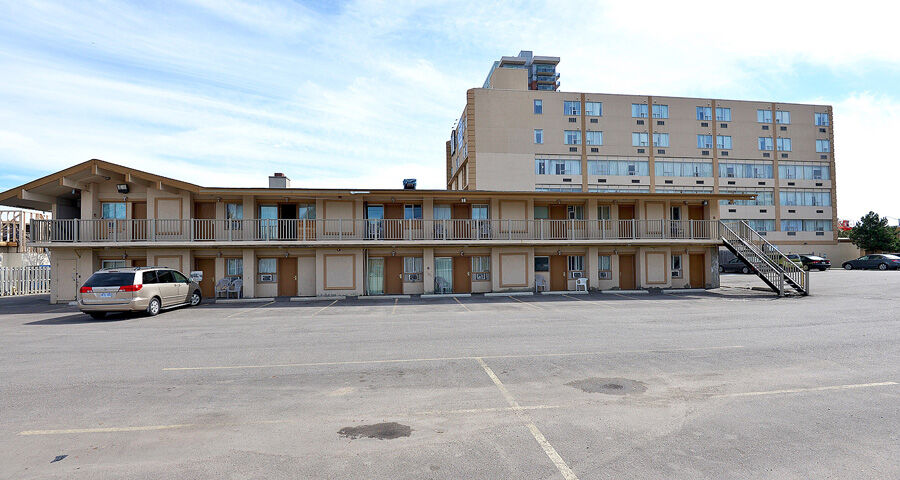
(225, 92)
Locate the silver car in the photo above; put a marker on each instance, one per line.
(136, 289)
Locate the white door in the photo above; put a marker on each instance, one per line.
(307, 270)
(66, 280)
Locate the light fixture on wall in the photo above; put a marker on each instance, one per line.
(219, 254)
(393, 253)
(121, 187)
(615, 252)
(557, 252)
(705, 202)
(461, 253)
(124, 256)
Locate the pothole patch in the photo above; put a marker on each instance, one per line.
(381, 431)
(609, 386)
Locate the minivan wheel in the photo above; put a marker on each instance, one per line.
(153, 307)
(97, 315)
(882, 266)
(196, 298)
(721, 269)
(745, 270)
(847, 266)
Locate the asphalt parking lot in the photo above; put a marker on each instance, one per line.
(733, 383)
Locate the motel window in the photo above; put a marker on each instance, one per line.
(573, 137)
(822, 119)
(412, 269)
(571, 108)
(639, 139)
(764, 116)
(538, 136)
(723, 114)
(107, 264)
(676, 266)
(660, 139)
(783, 117)
(603, 212)
(723, 142)
(576, 266)
(412, 212)
(593, 109)
(481, 268)
(541, 212)
(538, 107)
(765, 143)
(234, 267)
(575, 212)
(660, 111)
(605, 264)
(704, 141)
(823, 146)
(704, 113)
(784, 144)
(267, 270)
(639, 110)
(235, 213)
(541, 264)
(593, 138)
(306, 211)
(113, 210)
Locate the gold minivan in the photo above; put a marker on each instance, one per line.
(136, 289)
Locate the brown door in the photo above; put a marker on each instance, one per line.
(139, 213)
(461, 228)
(204, 225)
(287, 277)
(287, 225)
(393, 218)
(626, 229)
(208, 284)
(462, 275)
(393, 275)
(697, 265)
(695, 212)
(558, 227)
(139, 262)
(697, 228)
(626, 272)
(558, 273)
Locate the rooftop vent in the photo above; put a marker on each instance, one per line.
(409, 183)
(278, 180)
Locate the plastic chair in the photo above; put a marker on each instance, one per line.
(540, 283)
(222, 286)
(236, 287)
(441, 285)
(581, 282)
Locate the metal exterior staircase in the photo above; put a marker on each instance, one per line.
(772, 266)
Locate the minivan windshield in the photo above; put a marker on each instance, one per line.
(110, 280)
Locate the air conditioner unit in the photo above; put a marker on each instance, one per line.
(481, 277)
(414, 277)
(577, 274)
(605, 275)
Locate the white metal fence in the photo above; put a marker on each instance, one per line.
(24, 280)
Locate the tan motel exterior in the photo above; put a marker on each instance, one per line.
(297, 242)
(637, 143)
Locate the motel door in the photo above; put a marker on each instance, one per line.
(208, 267)
(393, 275)
(287, 276)
(697, 264)
(462, 275)
(558, 271)
(626, 272)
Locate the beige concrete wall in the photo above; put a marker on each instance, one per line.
(340, 272)
(510, 78)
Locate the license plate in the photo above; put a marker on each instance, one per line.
(105, 295)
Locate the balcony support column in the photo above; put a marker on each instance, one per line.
(428, 267)
(249, 277)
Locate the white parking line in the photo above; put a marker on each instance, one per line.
(536, 307)
(148, 428)
(249, 309)
(539, 437)
(323, 308)
(462, 304)
(800, 390)
(444, 359)
(485, 410)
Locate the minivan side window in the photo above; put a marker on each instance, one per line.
(165, 276)
(179, 278)
(149, 277)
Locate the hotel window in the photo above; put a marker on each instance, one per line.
(792, 225)
(412, 212)
(234, 212)
(412, 269)
(108, 264)
(660, 111)
(593, 109)
(704, 141)
(817, 225)
(593, 138)
(541, 212)
(575, 212)
(763, 197)
(745, 170)
(576, 266)
(764, 116)
(234, 267)
(660, 139)
(306, 211)
(676, 266)
(804, 172)
(571, 108)
(683, 169)
(765, 143)
(113, 210)
(481, 268)
(761, 225)
(822, 119)
(541, 264)
(573, 137)
(538, 107)
(538, 135)
(723, 142)
(823, 146)
(723, 114)
(784, 144)
(618, 167)
(806, 198)
(603, 212)
(543, 166)
(783, 117)
(267, 270)
(639, 110)
(639, 139)
(604, 264)
(704, 113)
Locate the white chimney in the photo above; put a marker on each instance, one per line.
(278, 180)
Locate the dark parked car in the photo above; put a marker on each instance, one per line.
(734, 265)
(879, 261)
(812, 261)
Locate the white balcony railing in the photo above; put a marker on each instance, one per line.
(196, 230)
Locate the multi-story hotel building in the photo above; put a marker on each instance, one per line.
(283, 241)
(512, 137)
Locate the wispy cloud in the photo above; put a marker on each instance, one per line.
(365, 92)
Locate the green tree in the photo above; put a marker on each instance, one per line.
(873, 233)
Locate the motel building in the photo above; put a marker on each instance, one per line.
(300, 242)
